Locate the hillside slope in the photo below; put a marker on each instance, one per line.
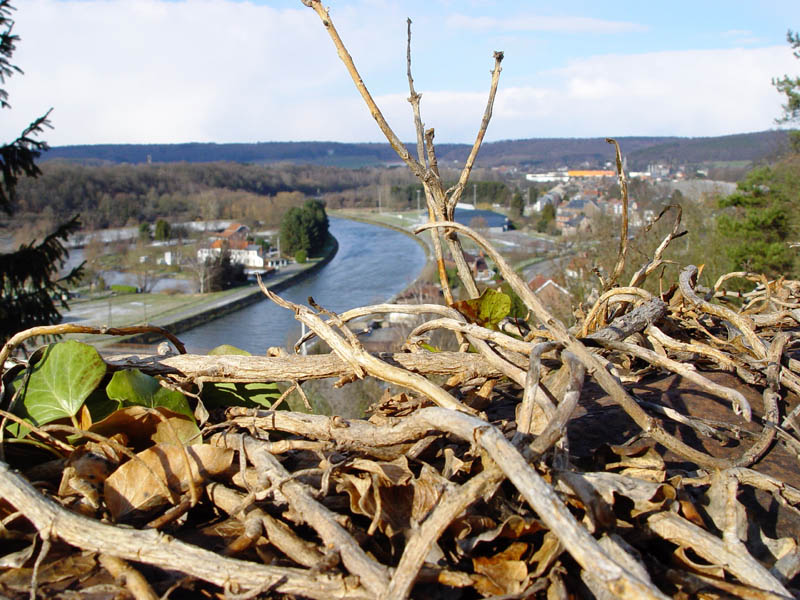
(537, 153)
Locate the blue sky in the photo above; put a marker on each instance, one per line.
(158, 71)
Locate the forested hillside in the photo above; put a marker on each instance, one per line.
(115, 195)
(532, 153)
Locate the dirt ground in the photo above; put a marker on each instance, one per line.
(600, 422)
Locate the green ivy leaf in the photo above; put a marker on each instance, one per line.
(227, 349)
(429, 348)
(131, 387)
(60, 382)
(488, 310)
(250, 395)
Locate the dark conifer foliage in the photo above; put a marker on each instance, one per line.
(29, 287)
(305, 229)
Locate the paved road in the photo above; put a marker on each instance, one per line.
(161, 310)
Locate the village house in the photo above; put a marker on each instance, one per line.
(552, 295)
(476, 218)
(251, 256)
(575, 225)
(575, 216)
(477, 264)
(579, 267)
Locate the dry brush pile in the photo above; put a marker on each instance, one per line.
(462, 483)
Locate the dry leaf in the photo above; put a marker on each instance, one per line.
(86, 470)
(639, 461)
(404, 500)
(503, 573)
(395, 472)
(60, 571)
(689, 510)
(453, 464)
(428, 488)
(645, 495)
(513, 527)
(144, 427)
(547, 554)
(138, 484)
(462, 527)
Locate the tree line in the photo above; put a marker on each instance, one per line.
(119, 195)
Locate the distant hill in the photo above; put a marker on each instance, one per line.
(530, 154)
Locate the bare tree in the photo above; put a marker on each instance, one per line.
(441, 202)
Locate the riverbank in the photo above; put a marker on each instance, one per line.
(405, 224)
(398, 222)
(180, 312)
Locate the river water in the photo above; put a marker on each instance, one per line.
(372, 265)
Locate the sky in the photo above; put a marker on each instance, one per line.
(166, 71)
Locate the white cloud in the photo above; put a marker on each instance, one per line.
(688, 93)
(128, 71)
(567, 24)
(154, 71)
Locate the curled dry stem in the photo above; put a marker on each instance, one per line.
(473, 330)
(623, 237)
(65, 328)
(657, 260)
(364, 363)
(740, 404)
(593, 366)
(628, 293)
(743, 323)
(406, 309)
(157, 548)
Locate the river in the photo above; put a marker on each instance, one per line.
(372, 265)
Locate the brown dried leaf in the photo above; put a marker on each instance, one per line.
(404, 499)
(513, 527)
(357, 487)
(143, 427)
(60, 570)
(86, 470)
(463, 526)
(689, 511)
(134, 487)
(503, 573)
(454, 579)
(395, 472)
(453, 464)
(547, 554)
(428, 488)
(639, 461)
(645, 495)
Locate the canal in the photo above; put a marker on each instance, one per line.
(372, 265)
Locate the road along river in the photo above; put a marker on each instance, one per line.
(373, 264)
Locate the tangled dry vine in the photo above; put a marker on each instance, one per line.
(499, 472)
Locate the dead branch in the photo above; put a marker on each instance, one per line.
(623, 236)
(157, 548)
(249, 369)
(680, 531)
(593, 366)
